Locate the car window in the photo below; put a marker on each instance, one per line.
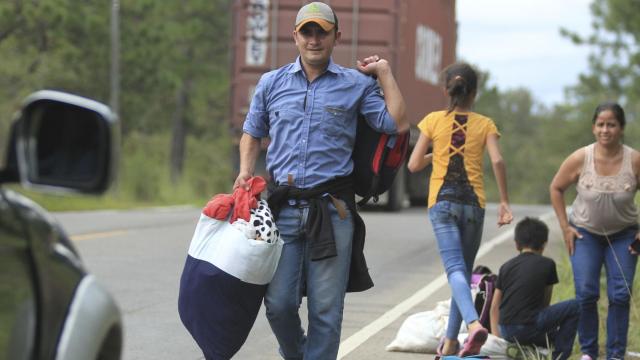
(17, 295)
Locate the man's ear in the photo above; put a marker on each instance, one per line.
(338, 35)
(295, 37)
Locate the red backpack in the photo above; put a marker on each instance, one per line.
(377, 157)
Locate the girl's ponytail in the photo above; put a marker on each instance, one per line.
(461, 83)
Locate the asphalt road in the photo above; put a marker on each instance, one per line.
(138, 255)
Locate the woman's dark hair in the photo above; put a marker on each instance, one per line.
(615, 108)
(531, 233)
(461, 82)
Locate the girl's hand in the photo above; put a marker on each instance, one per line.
(570, 234)
(504, 214)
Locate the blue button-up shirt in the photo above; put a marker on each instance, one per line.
(312, 126)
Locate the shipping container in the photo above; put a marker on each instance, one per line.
(418, 37)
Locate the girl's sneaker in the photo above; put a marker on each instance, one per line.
(440, 354)
(474, 342)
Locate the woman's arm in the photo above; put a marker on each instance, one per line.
(499, 170)
(635, 161)
(567, 175)
(419, 158)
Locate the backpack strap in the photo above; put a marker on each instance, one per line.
(365, 199)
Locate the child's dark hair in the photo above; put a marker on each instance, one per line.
(615, 108)
(461, 82)
(531, 233)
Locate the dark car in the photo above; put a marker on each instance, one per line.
(50, 306)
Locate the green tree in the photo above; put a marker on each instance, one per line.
(534, 139)
(175, 68)
(174, 87)
(520, 128)
(614, 64)
(54, 44)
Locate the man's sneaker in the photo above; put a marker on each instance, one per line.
(586, 357)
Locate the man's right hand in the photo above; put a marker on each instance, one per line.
(241, 180)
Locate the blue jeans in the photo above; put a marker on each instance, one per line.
(458, 230)
(556, 324)
(323, 281)
(591, 252)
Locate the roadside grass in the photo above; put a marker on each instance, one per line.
(565, 290)
(528, 352)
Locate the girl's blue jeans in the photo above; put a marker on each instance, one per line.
(458, 230)
(591, 252)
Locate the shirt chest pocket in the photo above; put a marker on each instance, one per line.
(334, 120)
(281, 119)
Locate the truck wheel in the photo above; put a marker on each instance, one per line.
(397, 192)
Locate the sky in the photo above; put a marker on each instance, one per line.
(519, 43)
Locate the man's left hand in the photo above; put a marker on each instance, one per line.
(373, 65)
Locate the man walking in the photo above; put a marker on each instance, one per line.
(309, 109)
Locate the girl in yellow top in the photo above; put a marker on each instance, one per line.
(456, 195)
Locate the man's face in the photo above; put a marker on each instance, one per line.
(314, 44)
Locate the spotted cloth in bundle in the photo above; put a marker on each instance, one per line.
(261, 225)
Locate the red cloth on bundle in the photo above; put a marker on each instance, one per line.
(240, 202)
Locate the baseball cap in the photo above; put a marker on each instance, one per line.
(317, 12)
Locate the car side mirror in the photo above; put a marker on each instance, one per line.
(65, 142)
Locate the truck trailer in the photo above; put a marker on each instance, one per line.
(418, 37)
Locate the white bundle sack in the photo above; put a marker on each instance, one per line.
(421, 333)
(230, 249)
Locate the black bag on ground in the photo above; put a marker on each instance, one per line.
(377, 157)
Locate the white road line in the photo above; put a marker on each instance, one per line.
(357, 339)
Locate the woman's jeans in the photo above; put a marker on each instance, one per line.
(555, 325)
(591, 251)
(324, 282)
(458, 230)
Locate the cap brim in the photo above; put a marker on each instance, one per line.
(324, 24)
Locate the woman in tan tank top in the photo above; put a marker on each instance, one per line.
(601, 227)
